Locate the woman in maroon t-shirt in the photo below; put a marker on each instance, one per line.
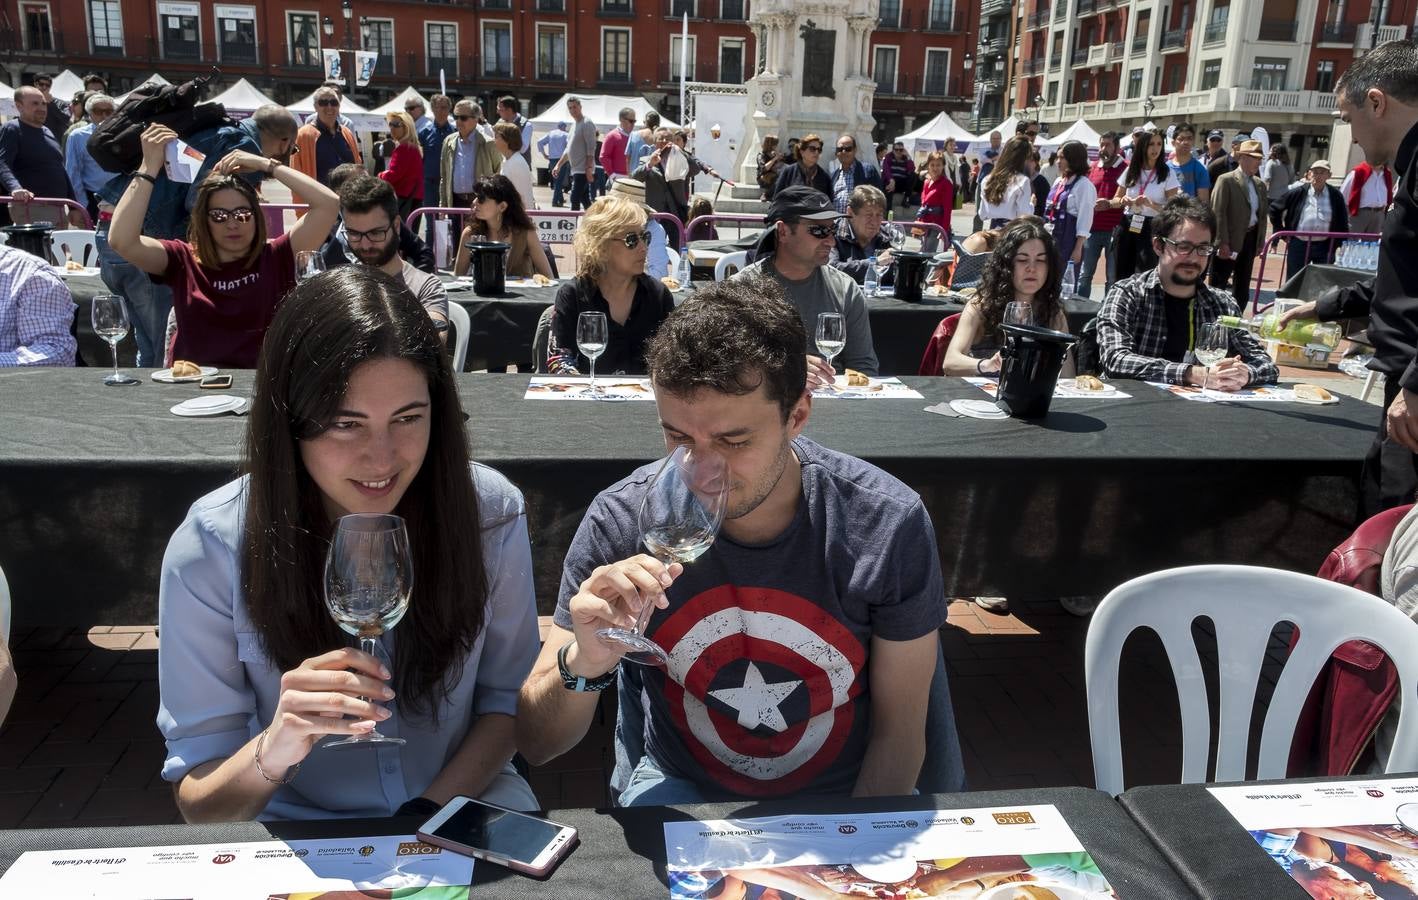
(227, 279)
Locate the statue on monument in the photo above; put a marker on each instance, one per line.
(819, 54)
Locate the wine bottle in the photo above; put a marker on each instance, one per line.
(1297, 332)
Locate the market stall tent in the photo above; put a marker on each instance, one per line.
(241, 99)
(602, 109)
(933, 134)
(361, 119)
(397, 103)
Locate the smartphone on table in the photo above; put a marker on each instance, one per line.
(216, 382)
(483, 831)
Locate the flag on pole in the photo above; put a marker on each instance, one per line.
(365, 61)
(334, 71)
(683, 49)
(442, 83)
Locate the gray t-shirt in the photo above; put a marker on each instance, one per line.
(582, 148)
(429, 291)
(827, 290)
(767, 690)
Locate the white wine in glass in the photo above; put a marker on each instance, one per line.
(1213, 341)
(369, 576)
(109, 317)
(308, 264)
(831, 335)
(591, 335)
(679, 518)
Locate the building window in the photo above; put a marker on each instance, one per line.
(937, 72)
(1269, 73)
(679, 7)
(303, 33)
(615, 54)
(889, 14)
(731, 10)
(884, 69)
(1210, 73)
(39, 32)
(942, 15)
(684, 54)
(381, 41)
(621, 7)
(1134, 84)
(731, 55)
(497, 49)
(441, 40)
(179, 25)
(106, 26)
(1052, 93)
(1324, 76)
(236, 33)
(1080, 93)
(551, 53)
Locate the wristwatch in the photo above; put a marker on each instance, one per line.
(579, 683)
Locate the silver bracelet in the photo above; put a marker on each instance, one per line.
(290, 773)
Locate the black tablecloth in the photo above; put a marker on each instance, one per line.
(622, 852)
(1207, 845)
(94, 479)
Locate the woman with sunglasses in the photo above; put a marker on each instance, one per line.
(498, 215)
(805, 169)
(227, 279)
(405, 171)
(611, 244)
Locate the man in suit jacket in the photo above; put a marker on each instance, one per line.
(1239, 199)
(848, 172)
(468, 155)
(1312, 205)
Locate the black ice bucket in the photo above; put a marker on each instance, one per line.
(488, 266)
(911, 269)
(32, 237)
(1031, 359)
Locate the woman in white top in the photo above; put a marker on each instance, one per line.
(1007, 192)
(1069, 209)
(1143, 190)
(507, 138)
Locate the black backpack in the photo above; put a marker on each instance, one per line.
(116, 144)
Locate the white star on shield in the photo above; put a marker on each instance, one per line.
(757, 701)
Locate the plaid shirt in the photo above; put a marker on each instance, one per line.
(36, 310)
(1132, 332)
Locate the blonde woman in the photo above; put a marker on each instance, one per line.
(611, 244)
(405, 172)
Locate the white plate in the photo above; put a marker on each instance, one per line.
(166, 376)
(1072, 388)
(1330, 402)
(86, 272)
(210, 406)
(978, 409)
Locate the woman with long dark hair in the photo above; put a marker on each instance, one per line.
(1143, 190)
(1070, 203)
(355, 411)
(1007, 191)
(498, 215)
(1024, 267)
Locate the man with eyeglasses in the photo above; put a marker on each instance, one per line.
(85, 175)
(1147, 327)
(56, 114)
(1028, 129)
(324, 143)
(416, 110)
(464, 159)
(803, 233)
(848, 172)
(370, 227)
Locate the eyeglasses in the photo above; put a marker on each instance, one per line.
(462, 118)
(373, 235)
(632, 240)
(327, 102)
(811, 148)
(241, 214)
(396, 124)
(821, 231)
(1186, 248)
(1032, 133)
(846, 148)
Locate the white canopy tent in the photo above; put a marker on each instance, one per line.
(241, 99)
(361, 119)
(1078, 131)
(397, 103)
(933, 134)
(602, 109)
(1005, 129)
(66, 84)
(153, 77)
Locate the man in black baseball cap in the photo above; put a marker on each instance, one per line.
(1214, 147)
(802, 224)
(1226, 162)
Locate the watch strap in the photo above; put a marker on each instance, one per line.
(580, 683)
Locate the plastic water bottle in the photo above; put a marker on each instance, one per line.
(1069, 285)
(1374, 258)
(871, 283)
(683, 275)
(1342, 258)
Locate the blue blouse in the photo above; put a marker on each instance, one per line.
(219, 689)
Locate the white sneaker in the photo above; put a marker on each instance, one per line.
(1082, 606)
(993, 604)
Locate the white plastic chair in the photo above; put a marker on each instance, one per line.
(458, 318)
(735, 260)
(83, 246)
(1244, 603)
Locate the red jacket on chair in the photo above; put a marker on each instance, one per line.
(934, 356)
(1353, 691)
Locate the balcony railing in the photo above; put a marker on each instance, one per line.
(1173, 40)
(1038, 19)
(1337, 33)
(909, 86)
(616, 9)
(993, 46)
(551, 5)
(1033, 66)
(944, 19)
(495, 4)
(1087, 7)
(1139, 44)
(1215, 33)
(1277, 30)
(1079, 57)
(991, 8)
(1056, 63)
(433, 65)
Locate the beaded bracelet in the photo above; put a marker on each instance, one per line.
(290, 773)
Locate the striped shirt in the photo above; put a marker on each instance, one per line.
(36, 310)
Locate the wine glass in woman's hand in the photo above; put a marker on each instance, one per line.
(369, 575)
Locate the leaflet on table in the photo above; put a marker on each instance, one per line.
(608, 387)
(922, 853)
(1249, 395)
(1062, 390)
(399, 866)
(874, 389)
(1330, 834)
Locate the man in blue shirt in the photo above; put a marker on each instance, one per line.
(1189, 170)
(85, 175)
(553, 146)
(431, 138)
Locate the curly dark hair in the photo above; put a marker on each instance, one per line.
(997, 283)
(736, 335)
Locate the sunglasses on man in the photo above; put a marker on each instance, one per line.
(820, 231)
(462, 118)
(846, 148)
(327, 102)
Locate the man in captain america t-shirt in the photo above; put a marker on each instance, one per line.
(802, 643)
